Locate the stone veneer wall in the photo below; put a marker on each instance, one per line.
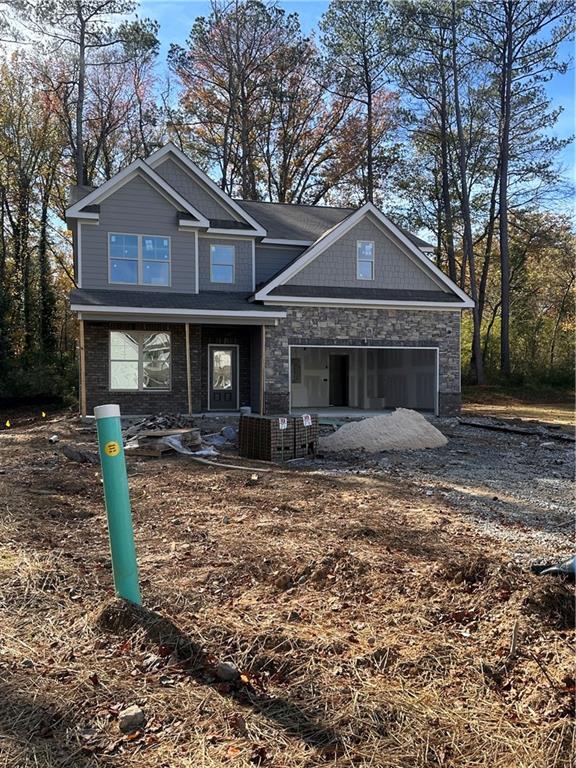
(335, 326)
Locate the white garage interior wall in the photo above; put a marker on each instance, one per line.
(378, 378)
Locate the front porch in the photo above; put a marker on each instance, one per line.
(171, 367)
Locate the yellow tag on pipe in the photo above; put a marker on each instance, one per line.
(112, 448)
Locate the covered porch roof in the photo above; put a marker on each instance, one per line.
(207, 307)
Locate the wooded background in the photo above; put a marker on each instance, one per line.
(437, 111)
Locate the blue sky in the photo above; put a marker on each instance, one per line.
(176, 18)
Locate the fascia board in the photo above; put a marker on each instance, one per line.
(97, 309)
(363, 303)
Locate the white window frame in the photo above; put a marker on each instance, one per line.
(360, 243)
(140, 335)
(141, 260)
(223, 245)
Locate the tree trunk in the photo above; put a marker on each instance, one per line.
(557, 325)
(5, 347)
(369, 134)
(446, 199)
(47, 297)
(80, 165)
(506, 96)
(478, 371)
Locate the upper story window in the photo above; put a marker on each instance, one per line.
(365, 260)
(139, 360)
(222, 262)
(139, 259)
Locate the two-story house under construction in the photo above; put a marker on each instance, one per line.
(190, 301)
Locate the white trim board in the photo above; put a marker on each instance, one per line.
(175, 319)
(335, 233)
(281, 241)
(137, 168)
(79, 254)
(364, 346)
(316, 301)
(107, 310)
(170, 149)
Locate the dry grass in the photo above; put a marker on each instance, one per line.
(372, 625)
(548, 407)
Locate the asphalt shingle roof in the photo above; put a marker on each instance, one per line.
(367, 294)
(287, 221)
(235, 301)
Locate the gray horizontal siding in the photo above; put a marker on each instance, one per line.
(243, 264)
(392, 267)
(137, 208)
(271, 259)
(191, 189)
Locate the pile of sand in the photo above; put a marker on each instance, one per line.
(399, 431)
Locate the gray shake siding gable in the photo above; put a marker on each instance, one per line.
(337, 326)
(191, 189)
(139, 209)
(392, 267)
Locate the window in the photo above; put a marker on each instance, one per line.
(155, 261)
(123, 251)
(139, 259)
(139, 360)
(222, 259)
(365, 260)
(222, 369)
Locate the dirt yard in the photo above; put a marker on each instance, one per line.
(380, 610)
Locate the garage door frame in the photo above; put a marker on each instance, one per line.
(365, 346)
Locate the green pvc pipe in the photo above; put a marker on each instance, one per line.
(117, 497)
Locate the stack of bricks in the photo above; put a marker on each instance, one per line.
(278, 438)
(268, 438)
(305, 435)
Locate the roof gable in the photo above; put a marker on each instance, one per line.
(194, 190)
(333, 235)
(137, 168)
(171, 151)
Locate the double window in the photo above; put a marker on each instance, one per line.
(139, 360)
(139, 259)
(222, 263)
(365, 260)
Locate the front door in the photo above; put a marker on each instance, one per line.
(338, 386)
(223, 378)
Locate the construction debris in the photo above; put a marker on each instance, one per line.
(565, 569)
(79, 455)
(402, 430)
(503, 426)
(159, 422)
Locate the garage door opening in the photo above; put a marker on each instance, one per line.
(364, 379)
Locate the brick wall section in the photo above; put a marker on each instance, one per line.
(334, 326)
(97, 343)
(97, 340)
